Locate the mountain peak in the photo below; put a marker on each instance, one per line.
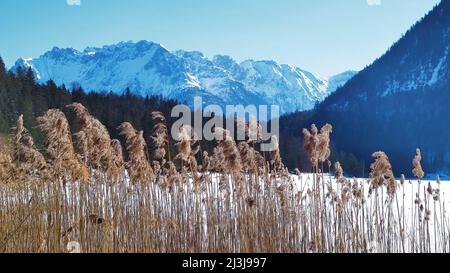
(223, 59)
(147, 68)
(58, 52)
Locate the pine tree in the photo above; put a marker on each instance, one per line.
(29, 76)
(2, 69)
(3, 97)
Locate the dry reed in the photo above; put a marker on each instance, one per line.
(138, 165)
(228, 202)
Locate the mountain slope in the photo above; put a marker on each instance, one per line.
(400, 102)
(339, 80)
(147, 68)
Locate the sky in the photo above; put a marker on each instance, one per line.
(325, 37)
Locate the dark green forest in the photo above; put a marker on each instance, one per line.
(20, 94)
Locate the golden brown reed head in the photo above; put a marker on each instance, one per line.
(158, 116)
(381, 173)
(317, 145)
(277, 164)
(117, 164)
(228, 151)
(254, 130)
(6, 166)
(338, 171)
(93, 141)
(226, 157)
(160, 136)
(174, 177)
(417, 167)
(138, 165)
(206, 162)
(25, 153)
(217, 159)
(324, 142)
(248, 157)
(184, 145)
(59, 146)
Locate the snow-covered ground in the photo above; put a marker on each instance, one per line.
(414, 199)
(410, 205)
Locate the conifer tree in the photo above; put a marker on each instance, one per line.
(2, 68)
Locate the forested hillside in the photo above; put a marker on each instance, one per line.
(397, 104)
(19, 94)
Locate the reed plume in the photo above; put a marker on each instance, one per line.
(174, 177)
(248, 157)
(116, 169)
(338, 171)
(381, 173)
(324, 142)
(206, 162)
(310, 143)
(224, 205)
(138, 166)
(25, 152)
(160, 136)
(186, 145)
(277, 164)
(6, 167)
(261, 163)
(217, 159)
(254, 131)
(417, 167)
(93, 140)
(227, 150)
(317, 145)
(59, 146)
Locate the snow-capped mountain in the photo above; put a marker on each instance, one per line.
(147, 68)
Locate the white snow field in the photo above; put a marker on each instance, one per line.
(415, 199)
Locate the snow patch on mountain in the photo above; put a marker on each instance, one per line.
(437, 70)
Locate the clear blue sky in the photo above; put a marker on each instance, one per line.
(323, 36)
